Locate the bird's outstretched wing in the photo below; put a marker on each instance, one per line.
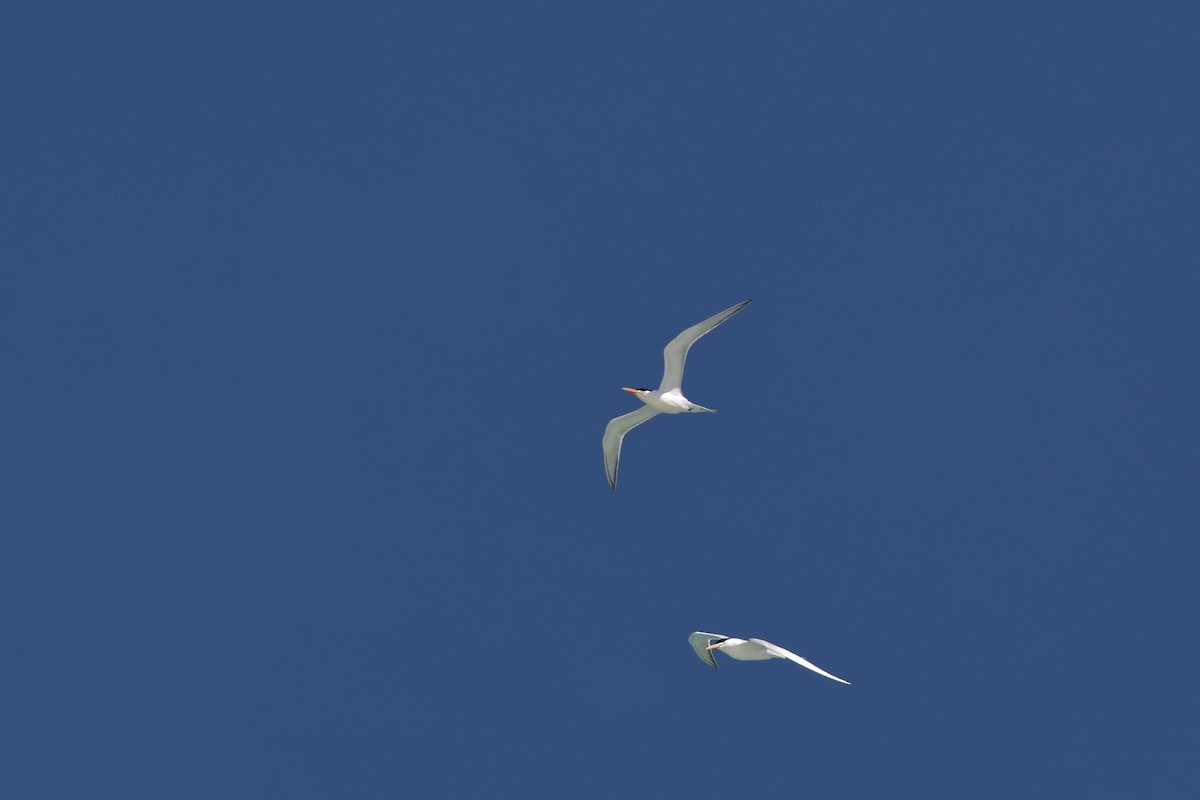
(699, 640)
(614, 432)
(779, 652)
(675, 353)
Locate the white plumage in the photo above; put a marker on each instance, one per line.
(747, 650)
(667, 399)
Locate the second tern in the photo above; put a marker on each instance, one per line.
(747, 650)
(667, 399)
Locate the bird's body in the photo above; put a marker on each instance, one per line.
(667, 398)
(743, 650)
(747, 650)
(672, 402)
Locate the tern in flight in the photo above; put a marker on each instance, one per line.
(746, 650)
(667, 399)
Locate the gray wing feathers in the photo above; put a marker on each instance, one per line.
(700, 641)
(675, 353)
(615, 432)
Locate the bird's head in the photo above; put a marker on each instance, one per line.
(717, 644)
(641, 390)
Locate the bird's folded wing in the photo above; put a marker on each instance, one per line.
(779, 652)
(615, 432)
(700, 641)
(675, 353)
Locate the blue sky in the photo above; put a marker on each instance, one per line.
(314, 316)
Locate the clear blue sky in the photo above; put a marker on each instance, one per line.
(313, 315)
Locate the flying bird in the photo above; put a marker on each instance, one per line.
(746, 650)
(667, 399)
